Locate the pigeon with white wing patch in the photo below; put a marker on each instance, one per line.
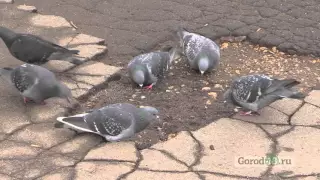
(35, 83)
(114, 122)
(202, 53)
(253, 92)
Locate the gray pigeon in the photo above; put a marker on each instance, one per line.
(35, 83)
(114, 122)
(146, 69)
(35, 50)
(202, 53)
(254, 92)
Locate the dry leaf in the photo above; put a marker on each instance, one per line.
(213, 95)
(224, 45)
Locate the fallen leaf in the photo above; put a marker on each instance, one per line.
(237, 71)
(224, 45)
(213, 95)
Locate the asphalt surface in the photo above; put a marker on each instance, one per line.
(135, 26)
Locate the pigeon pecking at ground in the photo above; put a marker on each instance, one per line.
(146, 69)
(35, 83)
(114, 122)
(202, 53)
(35, 50)
(253, 92)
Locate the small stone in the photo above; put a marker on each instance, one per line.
(213, 95)
(170, 87)
(131, 100)
(211, 147)
(237, 72)
(6, 1)
(206, 88)
(182, 85)
(143, 97)
(218, 86)
(27, 8)
(240, 38)
(208, 102)
(134, 95)
(168, 90)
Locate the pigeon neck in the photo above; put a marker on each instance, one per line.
(7, 36)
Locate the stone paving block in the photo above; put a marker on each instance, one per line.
(151, 161)
(2, 136)
(44, 164)
(7, 90)
(275, 129)
(267, 115)
(57, 66)
(43, 135)
(10, 167)
(183, 147)
(27, 8)
(304, 158)
(62, 174)
(81, 39)
(5, 177)
(250, 142)
(49, 21)
(216, 177)
(313, 98)
(287, 106)
(124, 151)
(13, 114)
(90, 51)
(307, 115)
(15, 150)
(78, 146)
(53, 108)
(139, 175)
(92, 74)
(101, 170)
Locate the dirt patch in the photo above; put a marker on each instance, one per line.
(189, 101)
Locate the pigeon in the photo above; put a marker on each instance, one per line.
(35, 50)
(114, 122)
(202, 53)
(253, 92)
(35, 83)
(146, 69)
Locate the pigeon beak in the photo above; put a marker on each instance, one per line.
(140, 85)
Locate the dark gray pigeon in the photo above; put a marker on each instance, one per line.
(202, 53)
(114, 122)
(35, 83)
(146, 69)
(254, 92)
(35, 50)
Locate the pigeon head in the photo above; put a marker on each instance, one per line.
(64, 92)
(151, 110)
(138, 76)
(203, 64)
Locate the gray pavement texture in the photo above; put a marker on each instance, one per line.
(31, 148)
(130, 27)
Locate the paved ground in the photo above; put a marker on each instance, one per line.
(288, 131)
(139, 25)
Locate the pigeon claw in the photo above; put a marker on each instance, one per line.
(25, 100)
(248, 113)
(148, 87)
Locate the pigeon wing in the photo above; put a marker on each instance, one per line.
(23, 79)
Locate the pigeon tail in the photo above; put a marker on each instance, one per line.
(181, 32)
(289, 83)
(64, 57)
(74, 60)
(74, 51)
(77, 122)
(172, 54)
(298, 95)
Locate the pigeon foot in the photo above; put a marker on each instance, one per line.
(249, 113)
(149, 87)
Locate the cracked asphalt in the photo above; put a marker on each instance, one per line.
(131, 27)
